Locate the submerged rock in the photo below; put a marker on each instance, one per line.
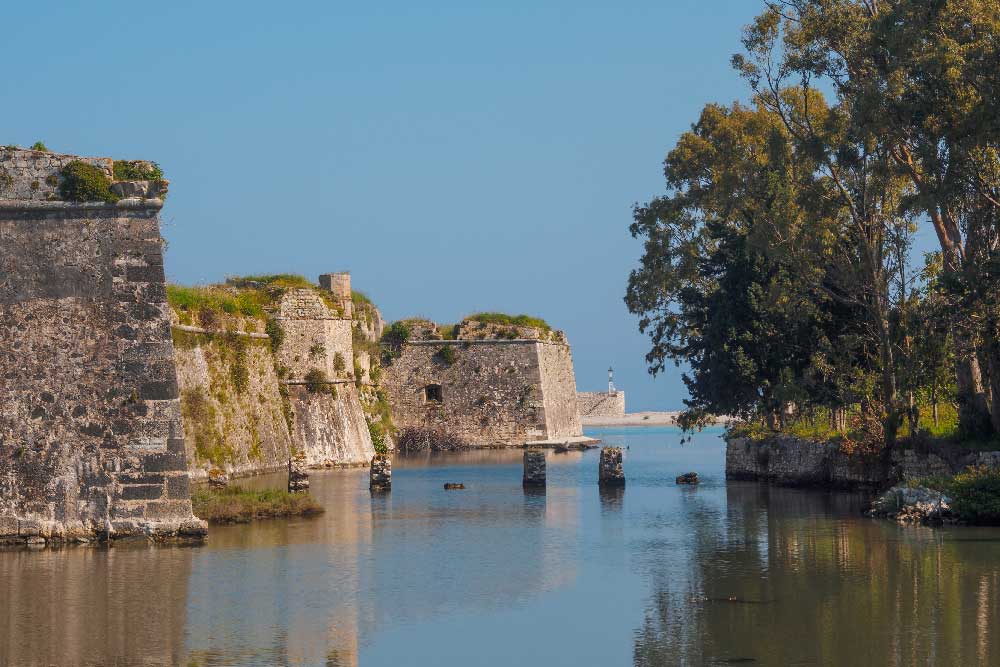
(450, 486)
(913, 505)
(688, 478)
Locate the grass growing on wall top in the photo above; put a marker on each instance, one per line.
(190, 300)
(504, 318)
(279, 280)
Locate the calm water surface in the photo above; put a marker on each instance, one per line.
(654, 575)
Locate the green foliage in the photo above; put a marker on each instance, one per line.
(446, 355)
(274, 330)
(235, 504)
(200, 424)
(515, 320)
(238, 369)
(316, 381)
(360, 299)
(377, 433)
(359, 374)
(137, 170)
(975, 496)
(339, 364)
(317, 350)
(39, 146)
(85, 183)
(448, 331)
(393, 339)
(187, 301)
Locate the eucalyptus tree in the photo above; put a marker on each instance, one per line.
(919, 78)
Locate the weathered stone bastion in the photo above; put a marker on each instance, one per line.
(91, 439)
(601, 403)
(484, 389)
(251, 400)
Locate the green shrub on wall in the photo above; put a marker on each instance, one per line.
(137, 170)
(86, 183)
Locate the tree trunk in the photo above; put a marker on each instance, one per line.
(973, 410)
(992, 350)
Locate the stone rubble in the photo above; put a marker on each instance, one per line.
(688, 478)
(610, 471)
(534, 468)
(298, 475)
(380, 473)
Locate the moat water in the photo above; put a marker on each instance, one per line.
(657, 574)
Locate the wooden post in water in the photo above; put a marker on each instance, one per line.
(609, 470)
(534, 468)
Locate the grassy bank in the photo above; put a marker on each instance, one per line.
(238, 505)
(974, 493)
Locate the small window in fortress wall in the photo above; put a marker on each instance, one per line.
(433, 393)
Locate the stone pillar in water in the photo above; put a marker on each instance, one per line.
(534, 468)
(609, 471)
(298, 478)
(380, 473)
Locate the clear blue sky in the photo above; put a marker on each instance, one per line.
(454, 156)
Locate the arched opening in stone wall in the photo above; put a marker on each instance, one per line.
(433, 394)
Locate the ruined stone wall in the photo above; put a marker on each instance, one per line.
(601, 404)
(234, 414)
(91, 440)
(493, 392)
(562, 418)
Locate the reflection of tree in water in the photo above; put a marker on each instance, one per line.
(799, 577)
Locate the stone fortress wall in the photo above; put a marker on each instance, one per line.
(91, 438)
(601, 403)
(487, 391)
(255, 429)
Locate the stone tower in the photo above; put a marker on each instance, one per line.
(339, 285)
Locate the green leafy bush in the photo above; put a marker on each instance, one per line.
(316, 381)
(975, 495)
(446, 355)
(277, 334)
(393, 339)
(39, 146)
(85, 182)
(377, 433)
(137, 170)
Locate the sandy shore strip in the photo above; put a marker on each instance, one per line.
(642, 419)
